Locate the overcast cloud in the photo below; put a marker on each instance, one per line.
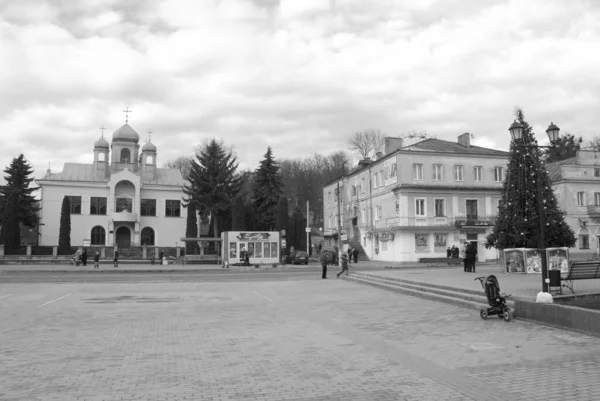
(297, 75)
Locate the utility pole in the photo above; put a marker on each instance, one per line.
(339, 237)
(307, 231)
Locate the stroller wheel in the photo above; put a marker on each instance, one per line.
(508, 315)
(483, 314)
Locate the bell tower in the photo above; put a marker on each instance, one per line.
(148, 161)
(100, 168)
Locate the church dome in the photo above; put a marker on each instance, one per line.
(126, 133)
(149, 147)
(101, 143)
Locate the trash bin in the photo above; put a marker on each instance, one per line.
(555, 281)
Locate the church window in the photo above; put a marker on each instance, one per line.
(173, 208)
(147, 236)
(125, 155)
(149, 160)
(101, 157)
(124, 205)
(98, 236)
(148, 207)
(75, 202)
(97, 205)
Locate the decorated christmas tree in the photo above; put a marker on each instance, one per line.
(518, 222)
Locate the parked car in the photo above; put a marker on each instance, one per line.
(297, 257)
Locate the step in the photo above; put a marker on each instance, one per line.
(415, 282)
(423, 290)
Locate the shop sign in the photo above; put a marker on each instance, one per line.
(253, 236)
(386, 237)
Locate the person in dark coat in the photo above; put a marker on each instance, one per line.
(324, 263)
(349, 254)
(355, 254)
(471, 256)
(97, 260)
(153, 256)
(84, 257)
(455, 251)
(116, 258)
(463, 256)
(161, 256)
(344, 265)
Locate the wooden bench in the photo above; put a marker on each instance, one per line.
(584, 270)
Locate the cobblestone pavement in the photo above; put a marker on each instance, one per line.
(289, 340)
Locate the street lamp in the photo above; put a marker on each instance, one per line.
(516, 132)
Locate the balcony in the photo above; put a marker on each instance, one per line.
(437, 221)
(124, 216)
(593, 211)
(474, 221)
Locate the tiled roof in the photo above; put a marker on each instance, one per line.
(439, 145)
(167, 176)
(554, 169)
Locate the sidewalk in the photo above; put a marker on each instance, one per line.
(524, 286)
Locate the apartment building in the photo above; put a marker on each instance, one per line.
(415, 201)
(576, 184)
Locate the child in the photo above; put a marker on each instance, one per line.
(97, 260)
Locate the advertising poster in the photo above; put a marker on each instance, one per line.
(232, 250)
(558, 259)
(534, 260)
(514, 260)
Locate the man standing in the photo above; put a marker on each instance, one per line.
(344, 265)
(324, 262)
(355, 254)
(116, 258)
(84, 257)
(161, 256)
(463, 255)
(471, 256)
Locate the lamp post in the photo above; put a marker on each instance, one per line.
(516, 132)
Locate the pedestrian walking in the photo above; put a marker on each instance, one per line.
(471, 256)
(324, 263)
(161, 257)
(78, 257)
(84, 257)
(97, 260)
(153, 257)
(355, 254)
(320, 248)
(344, 265)
(116, 258)
(349, 254)
(463, 255)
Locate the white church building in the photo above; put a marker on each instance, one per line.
(121, 199)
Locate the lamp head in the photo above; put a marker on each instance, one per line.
(552, 132)
(516, 131)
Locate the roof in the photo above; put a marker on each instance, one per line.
(85, 172)
(149, 147)
(101, 143)
(441, 146)
(554, 169)
(126, 133)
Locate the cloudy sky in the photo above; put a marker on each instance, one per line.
(297, 75)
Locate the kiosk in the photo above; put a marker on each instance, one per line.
(261, 247)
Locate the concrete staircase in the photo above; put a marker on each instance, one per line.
(361, 252)
(465, 298)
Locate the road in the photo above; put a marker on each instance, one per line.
(270, 338)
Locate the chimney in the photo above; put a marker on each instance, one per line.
(465, 140)
(364, 162)
(392, 144)
(378, 155)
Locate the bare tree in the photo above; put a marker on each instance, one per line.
(593, 144)
(183, 164)
(367, 143)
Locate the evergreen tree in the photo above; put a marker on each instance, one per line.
(239, 219)
(64, 233)
(564, 148)
(282, 218)
(267, 191)
(191, 229)
(18, 179)
(10, 233)
(518, 222)
(213, 183)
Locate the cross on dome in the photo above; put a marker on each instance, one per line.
(149, 135)
(126, 111)
(102, 130)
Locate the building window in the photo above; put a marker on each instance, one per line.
(498, 174)
(148, 207)
(97, 205)
(417, 171)
(383, 176)
(172, 208)
(597, 172)
(362, 186)
(75, 202)
(98, 236)
(384, 246)
(147, 236)
(355, 211)
(329, 196)
(440, 240)
(379, 212)
(458, 172)
(393, 170)
(363, 216)
(471, 206)
(376, 180)
(580, 198)
(584, 239)
(477, 173)
(397, 207)
(353, 190)
(101, 157)
(437, 172)
(124, 205)
(149, 160)
(125, 155)
(439, 208)
(597, 199)
(419, 207)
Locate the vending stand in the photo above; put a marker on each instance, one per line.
(529, 260)
(260, 247)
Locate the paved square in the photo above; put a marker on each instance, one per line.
(282, 340)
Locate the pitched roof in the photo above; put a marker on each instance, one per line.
(554, 169)
(441, 146)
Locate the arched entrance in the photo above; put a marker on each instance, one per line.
(123, 237)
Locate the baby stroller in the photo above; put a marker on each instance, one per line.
(496, 300)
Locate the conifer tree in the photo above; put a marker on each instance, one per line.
(10, 233)
(191, 229)
(64, 233)
(239, 219)
(267, 191)
(18, 179)
(518, 222)
(213, 183)
(281, 221)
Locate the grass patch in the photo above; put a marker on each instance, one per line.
(591, 301)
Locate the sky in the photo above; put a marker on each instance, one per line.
(297, 75)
